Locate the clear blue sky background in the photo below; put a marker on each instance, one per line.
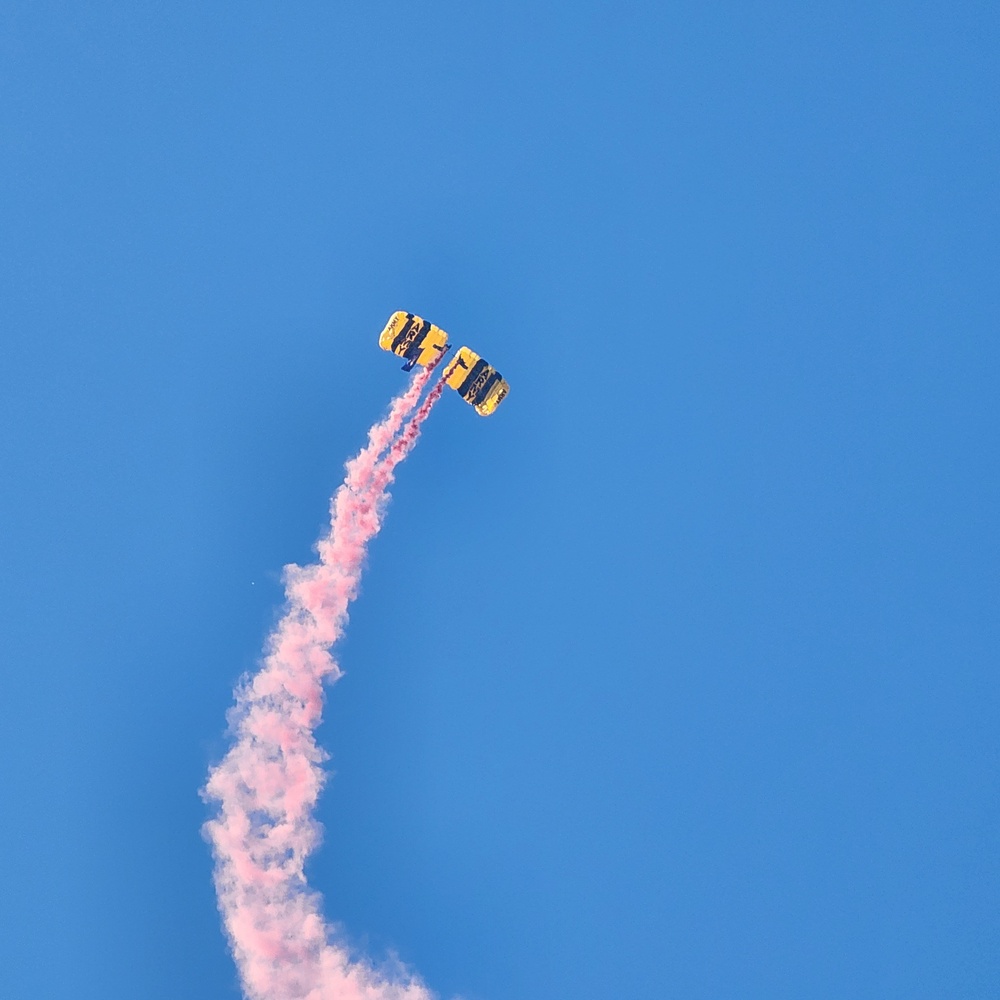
(677, 677)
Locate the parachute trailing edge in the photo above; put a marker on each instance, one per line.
(422, 343)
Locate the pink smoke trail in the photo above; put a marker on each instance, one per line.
(267, 785)
(405, 442)
(361, 467)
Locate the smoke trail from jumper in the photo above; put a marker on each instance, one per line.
(267, 785)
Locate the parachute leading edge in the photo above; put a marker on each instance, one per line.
(477, 382)
(413, 338)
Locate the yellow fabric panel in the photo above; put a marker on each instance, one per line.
(435, 341)
(494, 399)
(460, 366)
(395, 324)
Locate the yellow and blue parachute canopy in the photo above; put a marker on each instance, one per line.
(477, 382)
(417, 340)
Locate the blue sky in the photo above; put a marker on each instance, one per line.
(677, 677)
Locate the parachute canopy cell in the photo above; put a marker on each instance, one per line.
(477, 382)
(417, 340)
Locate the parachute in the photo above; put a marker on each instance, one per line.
(414, 339)
(422, 343)
(477, 382)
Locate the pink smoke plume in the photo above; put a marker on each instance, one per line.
(267, 785)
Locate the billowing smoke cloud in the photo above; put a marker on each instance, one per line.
(267, 785)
